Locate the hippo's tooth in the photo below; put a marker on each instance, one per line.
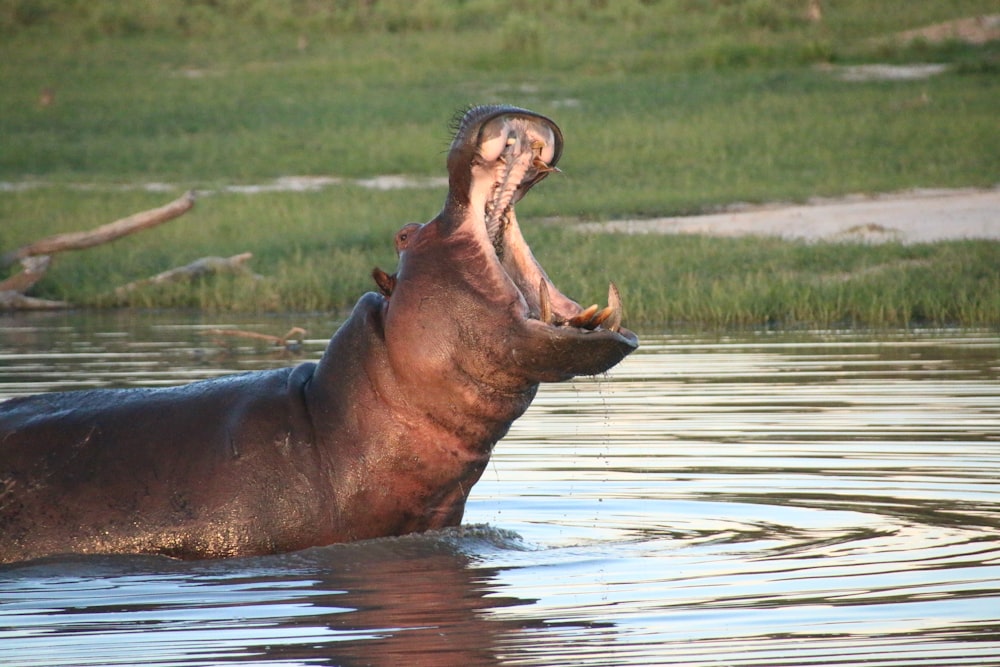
(543, 168)
(600, 317)
(544, 302)
(540, 165)
(512, 168)
(583, 318)
(614, 321)
(610, 316)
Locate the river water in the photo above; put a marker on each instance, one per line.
(809, 498)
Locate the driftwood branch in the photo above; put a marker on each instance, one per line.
(12, 289)
(102, 234)
(34, 270)
(291, 339)
(197, 268)
(11, 300)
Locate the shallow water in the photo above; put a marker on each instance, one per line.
(756, 499)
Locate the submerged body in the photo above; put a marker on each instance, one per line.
(385, 435)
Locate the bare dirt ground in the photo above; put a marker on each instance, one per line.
(972, 30)
(916, 216)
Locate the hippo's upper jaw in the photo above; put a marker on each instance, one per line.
(506, 305)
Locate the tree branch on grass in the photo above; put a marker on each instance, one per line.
(34, 270)
(36, 257)
(12, 289)
(102, 234)
(290, 340)
(200, 267)
(11, 300)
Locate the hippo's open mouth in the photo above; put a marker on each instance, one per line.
(468, 280)
(513, 150)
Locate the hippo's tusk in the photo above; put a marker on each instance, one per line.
(583, 318)
(614, 323)
(542, 167)
(600, 317)
(544, 302)
(610, 316)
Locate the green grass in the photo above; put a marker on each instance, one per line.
(678, 280)
(667, 107)
(725, 282)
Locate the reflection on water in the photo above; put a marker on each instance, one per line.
(754, 499)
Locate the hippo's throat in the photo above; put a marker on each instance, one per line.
(524, 157)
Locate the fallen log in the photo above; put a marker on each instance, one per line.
(11, 300)
(102, 234)
(290, 340)
(197, 268)
(34, 270)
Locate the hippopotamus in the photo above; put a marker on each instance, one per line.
(385, 435)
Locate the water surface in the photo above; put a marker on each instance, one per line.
(814, 498)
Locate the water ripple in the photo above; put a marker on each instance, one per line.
(822, 498)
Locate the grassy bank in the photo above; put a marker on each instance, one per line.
(312, 262)
(667, 107)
